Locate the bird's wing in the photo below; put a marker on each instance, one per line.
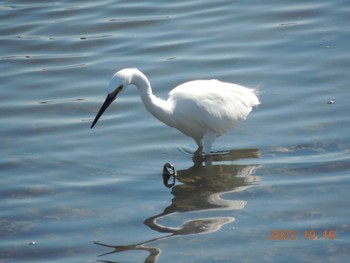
(209, 105)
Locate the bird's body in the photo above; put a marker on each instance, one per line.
(201, 109)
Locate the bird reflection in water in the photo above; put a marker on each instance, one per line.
(201, 191)
(169, 172)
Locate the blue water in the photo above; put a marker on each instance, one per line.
(66, 188)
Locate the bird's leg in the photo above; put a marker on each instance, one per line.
(198, 152)
(208, 140)
(199, 142)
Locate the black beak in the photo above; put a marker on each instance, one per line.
(110, 98)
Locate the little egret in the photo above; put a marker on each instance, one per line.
(201, 109)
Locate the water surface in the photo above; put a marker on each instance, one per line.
(66, 188)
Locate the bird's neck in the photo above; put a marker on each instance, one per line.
(159, 108)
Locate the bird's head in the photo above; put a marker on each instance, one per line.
(116, 86)
(120, 81)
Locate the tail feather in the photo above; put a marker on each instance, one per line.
(255, 98)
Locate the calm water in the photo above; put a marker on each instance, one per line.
(65, 187)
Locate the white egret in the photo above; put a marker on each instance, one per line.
(201, 109)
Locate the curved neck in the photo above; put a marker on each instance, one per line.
(159, 108)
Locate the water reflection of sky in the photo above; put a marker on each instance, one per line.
(199, 192)
(64, 186)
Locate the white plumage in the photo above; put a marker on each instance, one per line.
(201, 109)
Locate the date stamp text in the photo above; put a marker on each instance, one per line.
(306, 235)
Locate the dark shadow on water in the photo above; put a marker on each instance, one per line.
(200, 191)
